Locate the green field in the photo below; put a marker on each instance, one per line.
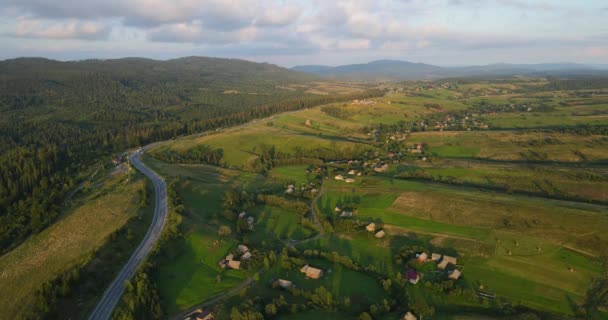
(513, 205)
(192, 276)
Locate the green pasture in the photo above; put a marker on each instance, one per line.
(192, 276)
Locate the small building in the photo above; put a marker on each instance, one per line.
(229, 257)
(246, 256)
(205, 315)
(349, 180)
(250, 222)
(242, 215)
(339, 177)
(346, 214)
(380, 234)
(445, 261)
(381, 168)
(352, 172)
(314, 190)
(290, 189)
(422, 257)
(412, 276)
(371, 227)
(311, 272)
(454, 275)
(338, 209)
(283, 283)
(435, 256)
(242, 249)
(408, 316)
(233, 264)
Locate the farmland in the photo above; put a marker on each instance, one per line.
(500, 175)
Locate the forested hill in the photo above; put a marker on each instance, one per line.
(56, 118)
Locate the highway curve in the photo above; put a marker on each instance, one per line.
(111, 296)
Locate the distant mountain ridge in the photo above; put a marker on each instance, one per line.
(404, 70)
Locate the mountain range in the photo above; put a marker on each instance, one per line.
(403, 70)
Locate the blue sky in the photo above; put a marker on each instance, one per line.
(442, 32)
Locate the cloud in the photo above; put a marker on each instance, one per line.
(34, 28)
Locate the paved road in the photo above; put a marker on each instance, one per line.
(111, 296)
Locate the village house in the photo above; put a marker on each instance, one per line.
(380, 234)
(381, 168)
(242, 215)
(250, 222)
(371, 227)
(352, 172)
(338, 209)
(435, 256)
(412, 276)
(246, 256)
(242, 249)
(199, 314)
(408, 316)
(454, 275)
(283, 283)
(445, 261)
(339, 177)
(349, 180)
(422, 257)
(290, 189)
(311, 272)
(346, 214)
(233, 264)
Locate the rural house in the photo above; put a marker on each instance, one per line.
(246, 256)
(454, 275)
(346, 214)
(283, 283)
(412, 276)
(435, 256)
(233, 264)
(199, 314)
(339, 177)
(421, 257)
(352, 172)
(242, 249)
(349, 180)
(380, 234)
(371, 227)
(311, 272)
(408, 316)
(338, 209)
(242, 215)
(445, 261)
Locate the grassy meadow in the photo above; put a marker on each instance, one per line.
(70, 241)
(522, 209)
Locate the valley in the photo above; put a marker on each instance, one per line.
(521, 206)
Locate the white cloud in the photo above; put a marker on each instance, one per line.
(72, 29)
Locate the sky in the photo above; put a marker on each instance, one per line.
(296, 32)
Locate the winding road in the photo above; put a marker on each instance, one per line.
(111, 296)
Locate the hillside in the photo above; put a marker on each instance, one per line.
(56, 118)
(382, 70)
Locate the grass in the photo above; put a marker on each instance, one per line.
(66, 243)
(514, 146)
(503, 267)
(192, 276)
(552, 180)
(273, 222)
(529, 250)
